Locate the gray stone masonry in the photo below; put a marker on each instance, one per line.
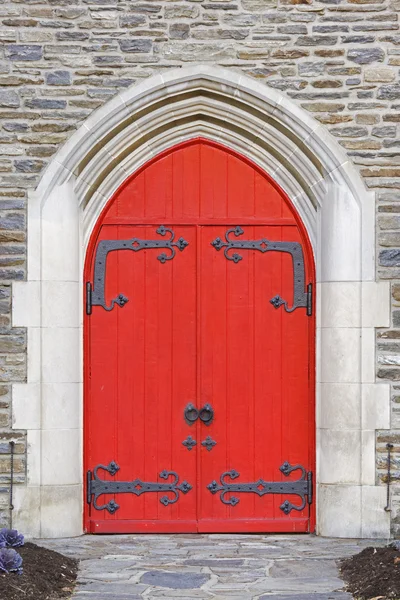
(216, 566)
(62, 59)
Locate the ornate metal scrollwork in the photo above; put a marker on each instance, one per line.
(209, 443)
(189, 443)
(96, 487)
(96, 296)
(301, 296)
(301, 487)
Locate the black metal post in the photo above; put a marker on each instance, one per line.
(389, 447)
(12, 445)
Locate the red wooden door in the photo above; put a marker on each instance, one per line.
(199, 394)
(142, 369)
(254, 373)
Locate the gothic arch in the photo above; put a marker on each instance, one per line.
(338, 213)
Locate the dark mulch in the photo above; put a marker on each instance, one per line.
(374, 573)
(47, 575)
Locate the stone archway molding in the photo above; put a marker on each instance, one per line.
(338, 212)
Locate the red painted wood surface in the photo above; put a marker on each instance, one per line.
(199, 329)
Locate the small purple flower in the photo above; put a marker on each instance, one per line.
(10, 561)
(10, 538)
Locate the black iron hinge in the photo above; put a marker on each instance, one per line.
(309, 299)
(89, 487)
(309, 487)
(97, 487)
(88, 298)
(301, 487)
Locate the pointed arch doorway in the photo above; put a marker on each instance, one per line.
(339, 215)
(199, 352)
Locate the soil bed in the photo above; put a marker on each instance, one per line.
(373, 574)
(47, 575)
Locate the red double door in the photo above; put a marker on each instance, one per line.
(198, 353)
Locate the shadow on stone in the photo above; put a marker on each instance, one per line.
(178, 581)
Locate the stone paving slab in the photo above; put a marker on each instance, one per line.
(208, 567)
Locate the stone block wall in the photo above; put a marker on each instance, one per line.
(62, 59)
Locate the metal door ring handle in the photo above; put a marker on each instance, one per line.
(191, 414)
(206, 414)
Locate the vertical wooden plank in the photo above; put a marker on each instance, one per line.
(184, 370)
(103, 377)
(213, 370)
(268, 202)
(130, 398)
(239, 375)
(269, 371)
(157, 190)
(178, 183)
(240, 182)
(213, 182)
(164, 283)
(191, 181)
(295, 363)
(130, 198)
(151, 355)
(133, 362)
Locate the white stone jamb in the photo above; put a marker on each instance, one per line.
(350, 405)
(49, 406)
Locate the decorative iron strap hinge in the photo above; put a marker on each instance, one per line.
(95, 487)
(302, 298)
(302, 487)
(96, 296)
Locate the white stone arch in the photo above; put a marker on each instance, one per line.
(338, 212)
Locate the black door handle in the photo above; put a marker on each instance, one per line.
(206, 414)
(191, 414)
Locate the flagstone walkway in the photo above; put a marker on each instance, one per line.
(215, 567)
